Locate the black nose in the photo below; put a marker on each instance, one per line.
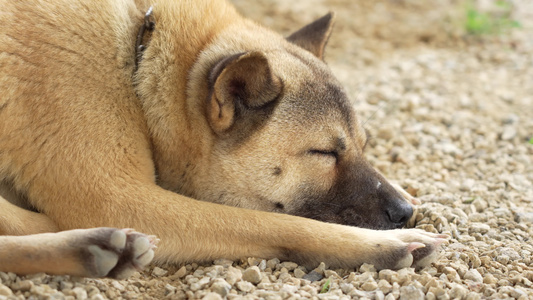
(399, 213)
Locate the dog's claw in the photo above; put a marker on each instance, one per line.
(415, 201)
(413, 246)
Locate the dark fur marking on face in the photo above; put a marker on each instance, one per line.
(324, 93)
(276, 171)
(353, 199)
(341, 144)
(280, 206)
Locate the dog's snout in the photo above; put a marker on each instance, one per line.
(399, 214)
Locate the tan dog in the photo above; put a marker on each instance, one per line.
(219, 109)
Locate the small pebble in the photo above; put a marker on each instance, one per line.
(411, 293)
(158, 272)
(244, 286)
(369, 285)
(252, 274)
(23, 285)
(5, 291)
(473, 275)
(212, 296)
(290, 266)
(298, 273)
(489, 279)
(221, 287)
(272, 263)
(313, 276)
(233, 275)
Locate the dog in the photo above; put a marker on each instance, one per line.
(188, 122)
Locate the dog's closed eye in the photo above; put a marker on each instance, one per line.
(332, 153)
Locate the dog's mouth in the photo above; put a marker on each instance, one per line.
(349, 215)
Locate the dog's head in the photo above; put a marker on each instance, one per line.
(286, 138)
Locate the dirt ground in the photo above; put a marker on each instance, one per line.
(451, 116)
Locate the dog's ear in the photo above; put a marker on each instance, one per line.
(240, 81)
(314, 36)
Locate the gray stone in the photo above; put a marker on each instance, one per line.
(289, 265)
(508, 132)
(244, 286)
(81, 294)
(181, 272)
(252, 274)
(169, 289)
(329, 273)
(272, 263)
(22, 285)
(321, 268)
(411, 293)
(479, 228)
(212, 296)
(117, 285)
(299, 273)
(473, 275)
(233, 275)
(5, 291)
(221, 287)
(262, 265)
(313, 276)
(369, 285)
(510, 252)
(158, 272)
(524, 217)
(223, 262)
(458, 292)
(367, 268)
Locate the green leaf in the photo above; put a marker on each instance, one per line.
(503, 4)
(480, 23)
(469, 200)
(515, 24)
(325, 287)
(531, 141)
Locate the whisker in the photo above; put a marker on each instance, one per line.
(380, 107)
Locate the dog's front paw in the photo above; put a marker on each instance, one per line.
(118, 253)
(407, 248)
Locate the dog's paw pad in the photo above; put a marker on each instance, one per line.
(426, 255)
(103, 260)
(118, 239)
(422, 245)
(412, 248)
(143, 250)
(137, 253)
(117, 253)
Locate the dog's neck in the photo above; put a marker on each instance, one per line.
(176, 121)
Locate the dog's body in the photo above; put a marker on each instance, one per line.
(219, 109)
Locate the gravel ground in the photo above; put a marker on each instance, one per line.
(450, 116)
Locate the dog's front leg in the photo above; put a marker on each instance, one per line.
(94, 252)
(191, 230)
(18, 221)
